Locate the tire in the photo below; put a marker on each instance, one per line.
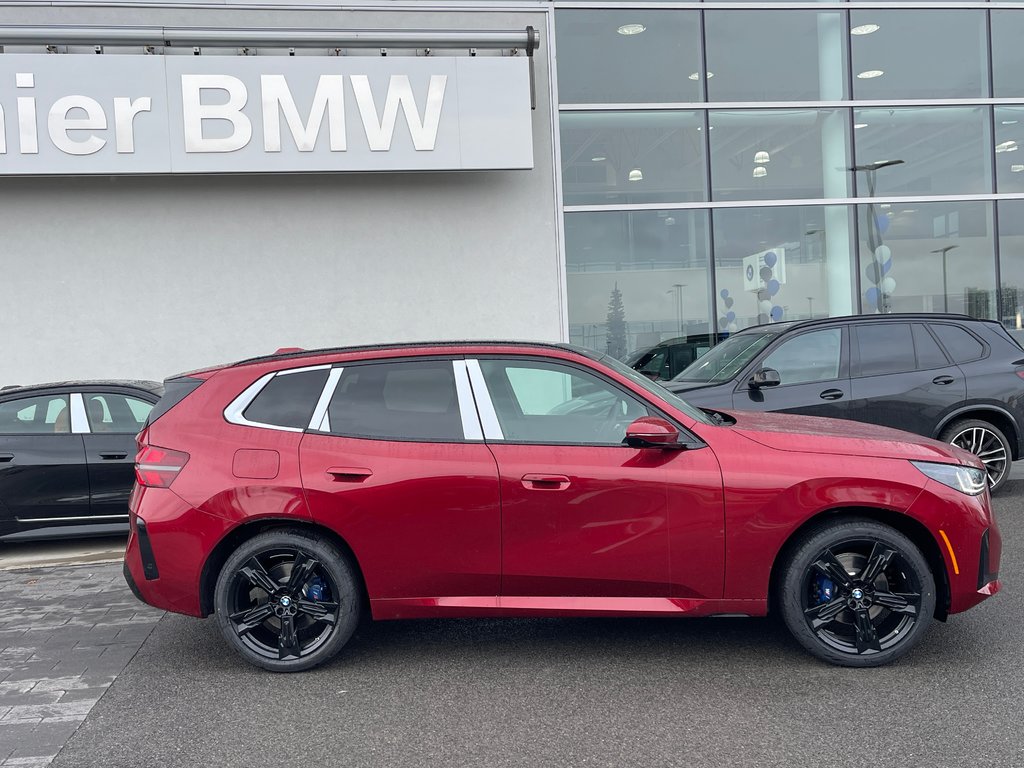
(256, 601)
(987, 442)
(855, 623)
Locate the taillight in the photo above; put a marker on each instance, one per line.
(157, 467)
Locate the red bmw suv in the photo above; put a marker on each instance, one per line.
(293, 495)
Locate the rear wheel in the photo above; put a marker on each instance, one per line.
(287, 600)
(985, 441)
(857, 593)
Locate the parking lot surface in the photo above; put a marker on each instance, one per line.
(558, 692)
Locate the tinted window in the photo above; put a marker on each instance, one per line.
(549, 403)
(288, 399)
(397, 401)
(885, 348)
(929, 354)
(961, 345)
(727, 359)
(109, 412)
(808, 357)
(48, 414)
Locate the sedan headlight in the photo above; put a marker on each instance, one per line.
(967, 480)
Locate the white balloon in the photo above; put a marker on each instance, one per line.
(766, 307)
(888, 285)
(732, 328)
(883, 253)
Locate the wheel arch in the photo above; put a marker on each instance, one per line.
(998, 417)
(908, 526)
(242, 533)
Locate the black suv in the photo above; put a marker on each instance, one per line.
(950, 377)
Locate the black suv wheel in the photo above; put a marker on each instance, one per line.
(985, 441)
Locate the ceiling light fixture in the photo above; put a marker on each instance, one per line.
(1016, 168)
(636, 175)
(696, 75)
(870, 74)
(1006, 146)
(864, 29)
(762, 157)
(631, 29)
(860, 125)
(1010, 122)
(598, 159)
(760, 172)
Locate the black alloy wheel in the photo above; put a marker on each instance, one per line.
(857, 593)
(287, 601)
(985, 441)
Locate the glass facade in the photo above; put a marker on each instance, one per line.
(729, 166)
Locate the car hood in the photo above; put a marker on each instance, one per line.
(814, 434)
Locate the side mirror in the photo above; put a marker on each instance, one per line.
(652, 432)
(766, 377)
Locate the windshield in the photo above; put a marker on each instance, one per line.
(727, 359)
(655, 389)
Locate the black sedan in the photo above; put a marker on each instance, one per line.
(67, 452)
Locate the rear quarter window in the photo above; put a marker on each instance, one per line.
(962, 346)
(288, 399)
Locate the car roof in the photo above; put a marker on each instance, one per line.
(424, 345)
(893, 317)
(153, 387)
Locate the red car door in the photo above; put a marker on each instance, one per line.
(396, 470)
(582, 514)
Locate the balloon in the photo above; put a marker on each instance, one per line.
(776, 313)
(888, 285)
(773, 287)
(730, 316)
(765, 307)
(883, 223)
(886, 266)
(871, 296)
(871, 271)
(766, 273)
(724, 293)
(728, 303)
(722, 322)
(883, 253)
(770, 258)
(732, 327)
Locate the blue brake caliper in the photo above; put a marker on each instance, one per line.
(316, 590)
(823, 590)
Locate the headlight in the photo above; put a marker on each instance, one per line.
(964, 479)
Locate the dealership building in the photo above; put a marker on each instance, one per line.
(186, 183)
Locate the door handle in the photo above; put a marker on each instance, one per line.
(943, 380)
(831, 394)
(349, 474)
(110, 456)
(538, 481)
(4, 457)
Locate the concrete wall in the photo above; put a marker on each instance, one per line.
(144, 277)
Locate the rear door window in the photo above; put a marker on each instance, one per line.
(929, 353)
(960, 344)
(415, 400)
(885, 348)
(113, 412)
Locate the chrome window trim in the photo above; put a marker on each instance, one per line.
(76, 517)
(471, 429)
(488, 416)
(235, 409)
(321, 420)
(79, 419)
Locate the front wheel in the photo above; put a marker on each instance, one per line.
(857, 593)
(287, 600)
(985, 441)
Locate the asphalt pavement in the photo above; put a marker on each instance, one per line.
(583, 692)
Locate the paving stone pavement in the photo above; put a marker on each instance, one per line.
(65, 634)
